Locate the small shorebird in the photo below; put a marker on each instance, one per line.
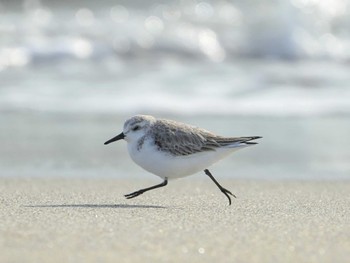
(171, 149)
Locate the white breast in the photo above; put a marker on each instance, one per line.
(166, 165)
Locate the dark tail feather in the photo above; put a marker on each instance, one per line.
(235, 141)
(247, 140)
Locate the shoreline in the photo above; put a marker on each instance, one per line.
(89, 220)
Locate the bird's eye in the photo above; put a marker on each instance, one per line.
(137, 127)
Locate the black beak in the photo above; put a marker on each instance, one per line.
(116, 138)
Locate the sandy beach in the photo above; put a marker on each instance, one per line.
(76, 220)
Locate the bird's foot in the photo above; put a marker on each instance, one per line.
(134, 194)
(226, 193)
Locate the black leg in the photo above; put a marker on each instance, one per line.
(141, 191)
(223, 190)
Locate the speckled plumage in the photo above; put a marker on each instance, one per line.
(181, 139)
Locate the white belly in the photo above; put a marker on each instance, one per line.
(170, 166)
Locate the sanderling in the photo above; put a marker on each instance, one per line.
(171, 149)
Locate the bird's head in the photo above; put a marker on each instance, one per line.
(134, 128)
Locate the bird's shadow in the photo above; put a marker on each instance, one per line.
(117, 206)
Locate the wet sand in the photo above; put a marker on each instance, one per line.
(63, 220)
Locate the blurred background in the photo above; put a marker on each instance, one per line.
(72, 71)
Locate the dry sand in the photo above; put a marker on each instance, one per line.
(63, 220)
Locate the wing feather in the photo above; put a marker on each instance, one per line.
(182, 139)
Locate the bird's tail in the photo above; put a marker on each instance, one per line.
(239, 142)
(248, 140)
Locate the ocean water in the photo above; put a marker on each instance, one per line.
(70, 73)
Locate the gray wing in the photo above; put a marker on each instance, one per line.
(181, 139)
